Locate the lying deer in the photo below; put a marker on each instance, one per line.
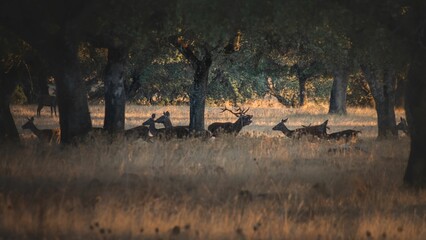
(137, 132)
(152, 130)
(347, 135)
(319, 131)
(177, 131)
(403, 126)
(229, 127)
(46, 100)
(44, 135)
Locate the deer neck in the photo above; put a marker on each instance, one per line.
(152, 129)
(238, 125)
(287, 131)
(36, 131)
(168, 123)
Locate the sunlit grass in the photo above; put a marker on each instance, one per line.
(259, 185)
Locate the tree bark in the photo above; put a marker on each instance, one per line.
(302, 91)
(197, 96)
(74, 116)
(382, 87)
(400, 92)
(8, 131)
(115, 96)
(338, 93)
(415, 173)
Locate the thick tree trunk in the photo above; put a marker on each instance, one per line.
(383, 90)
(8, 131)
(400, 92)
(415, 174)
(115, 96)
(302, 91)
(74, 116)
(35, 82)
(197, 97)
(338, 93)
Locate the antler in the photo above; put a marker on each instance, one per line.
(240, 111)
(237, 114)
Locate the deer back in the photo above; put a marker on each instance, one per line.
(347, 135)
(217, 127)
(319, 131)
(171, 131)
(47, 100)
(137, 132)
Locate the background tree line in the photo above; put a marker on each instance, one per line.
(192, 50)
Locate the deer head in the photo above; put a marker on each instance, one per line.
(280, 126)
(240, 113)
(29, 124)
(150, 121)
(165, 119)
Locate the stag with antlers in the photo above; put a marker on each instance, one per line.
(229, 127)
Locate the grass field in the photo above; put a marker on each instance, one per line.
(258, 185)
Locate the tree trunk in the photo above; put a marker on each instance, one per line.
(8, 131)
(197, 96)
(35, 82)
(400, 92)
(383, 90)
(415, 174)
(74, 116)
(115, 96)
(302, 91)
(338, 93)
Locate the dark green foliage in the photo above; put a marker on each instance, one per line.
(18, 96)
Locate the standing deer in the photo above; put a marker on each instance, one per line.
(229, 127)
(44, 135)
(46, 100)
(178, 131)
(319, 131)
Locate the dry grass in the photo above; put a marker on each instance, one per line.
(258, 185)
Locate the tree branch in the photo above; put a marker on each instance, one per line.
(185, 50)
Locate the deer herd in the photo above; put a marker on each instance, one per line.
(149, 131)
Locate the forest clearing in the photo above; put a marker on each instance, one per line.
(258, 185)
(201, 119)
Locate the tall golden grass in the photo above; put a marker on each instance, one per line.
(258, 185)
